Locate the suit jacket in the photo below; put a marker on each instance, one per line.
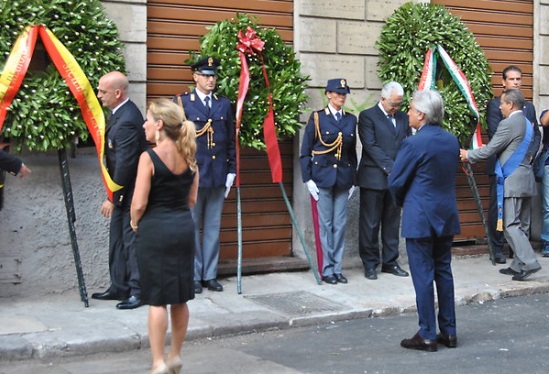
(380, 143)
(124, 143)
(325, 169)
(215, 158)
(494, 117)
(423, 182)
(10, 163)
(508, 136)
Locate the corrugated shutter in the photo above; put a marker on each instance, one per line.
(174, 28)
(504, 30)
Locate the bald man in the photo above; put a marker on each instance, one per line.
(124, 143)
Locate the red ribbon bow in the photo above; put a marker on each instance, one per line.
(249, 43)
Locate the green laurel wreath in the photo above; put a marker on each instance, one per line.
(44, 114)
(287, 84)
(407, 36)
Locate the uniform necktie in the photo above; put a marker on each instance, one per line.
(338, 116)
(207, 104)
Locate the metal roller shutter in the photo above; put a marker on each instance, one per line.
(174, 28)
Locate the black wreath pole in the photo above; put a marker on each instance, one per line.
(478, 202)
(71, 217)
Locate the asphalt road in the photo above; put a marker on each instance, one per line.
(503, 336)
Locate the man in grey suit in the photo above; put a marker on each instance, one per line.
(515, 144)
(381, 129)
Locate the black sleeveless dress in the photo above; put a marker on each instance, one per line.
(165, 239)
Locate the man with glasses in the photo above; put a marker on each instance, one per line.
(216, 160)
(381, 128)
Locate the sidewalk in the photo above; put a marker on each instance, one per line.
(60, 325)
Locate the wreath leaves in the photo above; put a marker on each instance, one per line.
(44, 115)
(407, 36)
(287, 84)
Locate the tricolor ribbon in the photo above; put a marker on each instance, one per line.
(427, 81)
(78, 83)
(250, 44)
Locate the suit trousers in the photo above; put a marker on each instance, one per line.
(430, 261)
(496, 237)
(122, 260)
(332, 219)
(377, 208)
(516, 219)
(207, 218)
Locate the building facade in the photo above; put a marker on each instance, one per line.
(331, 38)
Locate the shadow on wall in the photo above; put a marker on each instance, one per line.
(36, 255)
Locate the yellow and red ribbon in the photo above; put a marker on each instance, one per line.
(78, 83)
(15, 69)
(250, 44)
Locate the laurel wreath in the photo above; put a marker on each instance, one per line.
(405, 38)
(288, 86)
(44, 115)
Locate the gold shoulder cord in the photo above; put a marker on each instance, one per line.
(206, 128)
(336, 145)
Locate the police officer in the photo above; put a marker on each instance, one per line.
(328, 166)
(216, 159)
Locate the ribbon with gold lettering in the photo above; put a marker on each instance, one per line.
(250, 44)
(15, 69)
(78, 83)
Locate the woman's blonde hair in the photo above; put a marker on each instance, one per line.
(181, 131)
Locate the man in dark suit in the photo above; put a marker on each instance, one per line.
(216, 159)
(515, 146)
(381, 128)
(511, 79)
(124, 143)
(11, 164)
(423, 182)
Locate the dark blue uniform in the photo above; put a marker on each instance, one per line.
(328, 157)
(215, 157)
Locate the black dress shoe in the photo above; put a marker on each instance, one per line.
(395, 270)
(330, 279)
(340, 278)
(450, 341)
(499, 259)
(213, 285)
(370, 273)
(197, 287)
(508, 271)
(525, 274)
(131, 303)
(107, 295)
(417, 342)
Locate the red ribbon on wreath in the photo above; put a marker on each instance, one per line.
(250, 44)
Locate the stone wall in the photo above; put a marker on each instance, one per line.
(541, 55)
(35, 249)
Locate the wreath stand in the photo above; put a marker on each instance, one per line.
(71, 218)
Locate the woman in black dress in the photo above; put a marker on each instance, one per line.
(166, 188)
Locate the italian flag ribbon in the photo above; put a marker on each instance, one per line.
(79, 85)
(250, 44)
(427, 81)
